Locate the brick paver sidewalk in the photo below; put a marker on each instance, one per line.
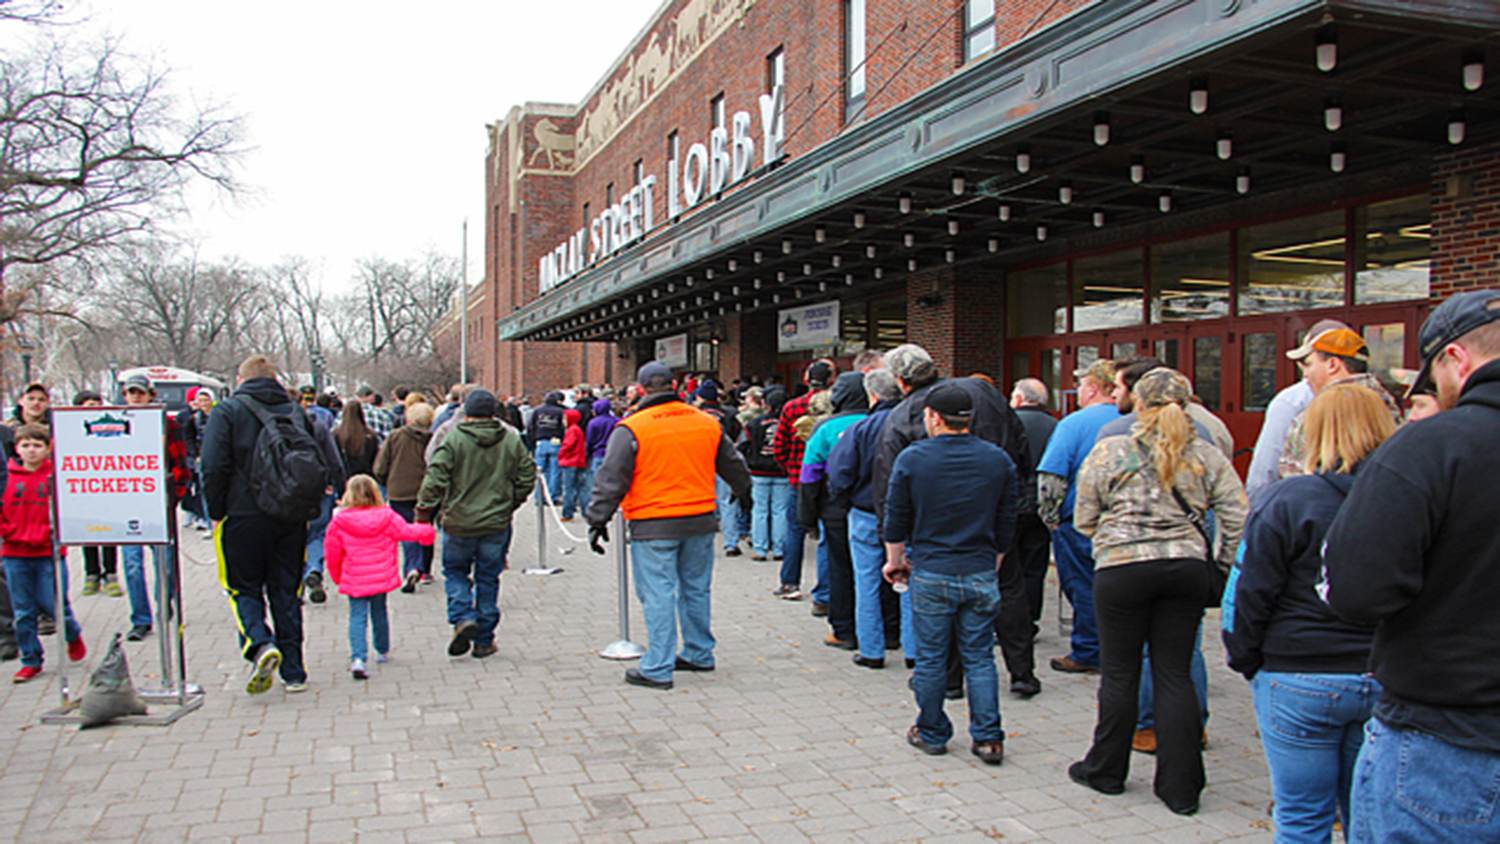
(786, 741)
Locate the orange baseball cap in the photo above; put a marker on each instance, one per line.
(1335, 341)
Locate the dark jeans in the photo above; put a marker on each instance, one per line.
(472, 566)
(1034, 548)
(414, 556)
(835, 521)
(796, 538)
(1013, 624)
(261, 565)
(100, 561)
(1160, 602)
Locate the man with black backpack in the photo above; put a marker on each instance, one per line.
(266, 467)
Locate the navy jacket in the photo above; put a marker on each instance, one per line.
(1280, 622)
(953, 499)
(851, 464)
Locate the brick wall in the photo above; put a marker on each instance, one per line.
(955, 313)
(1466, 221)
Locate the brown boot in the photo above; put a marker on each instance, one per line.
(1144, 741)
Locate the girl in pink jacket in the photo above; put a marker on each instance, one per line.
(360, 549)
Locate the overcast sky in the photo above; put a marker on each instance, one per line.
(367, 118)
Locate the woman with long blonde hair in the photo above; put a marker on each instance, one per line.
(1142, 498)
(1306, 666)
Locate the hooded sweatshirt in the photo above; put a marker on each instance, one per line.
(573, 454)
(547, 421)
(596, 433)
(850, 404)
(360, 548)
(478, 477)
(24, 516)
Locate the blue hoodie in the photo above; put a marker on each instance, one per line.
(596, 435)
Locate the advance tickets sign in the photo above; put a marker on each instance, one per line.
(808, 327)
(109, 472)
(672, 351)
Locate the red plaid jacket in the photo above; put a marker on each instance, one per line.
(786, 446)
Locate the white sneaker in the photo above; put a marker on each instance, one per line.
(357, 668)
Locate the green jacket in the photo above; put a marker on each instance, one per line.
(477, 478)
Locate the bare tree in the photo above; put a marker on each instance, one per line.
(385, 326)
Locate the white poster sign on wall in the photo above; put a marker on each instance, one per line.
(807, 327)
(110, 475)
(672, 351)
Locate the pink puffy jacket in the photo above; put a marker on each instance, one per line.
(360, 549)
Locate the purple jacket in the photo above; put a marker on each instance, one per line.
(596, 435)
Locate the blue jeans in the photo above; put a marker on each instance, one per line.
(796, 539)
(588, 485)
(475, 598)
(573, 480)
(32, 593)
(133, 558)
(1412, 788)
(546, 466)
(768, 515)
(1311, 726)
(368, 611)
(962, 605)
(1146, 717)
(673, 580)
(315, 531)
(868, 554)
(729, 513)
(1075, 570)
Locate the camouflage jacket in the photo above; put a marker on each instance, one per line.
(1132, 518)
(1294, 451)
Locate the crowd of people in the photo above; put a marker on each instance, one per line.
(1355, 567)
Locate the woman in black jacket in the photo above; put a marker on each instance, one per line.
(1308, 669)
(357, 444)
(769, 486)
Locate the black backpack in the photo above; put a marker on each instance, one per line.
(288, 469)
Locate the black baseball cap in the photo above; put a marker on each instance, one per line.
(819, 375)
(949, 399)
(1451, 320)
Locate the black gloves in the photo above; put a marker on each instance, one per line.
(747, 506)
(598, 533)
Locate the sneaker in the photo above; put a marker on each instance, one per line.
(90, 585)
(295, 687)
(382, 657)
(266, 663)
(914, 738)
(111, 588)
(26, 673)
(788, 593)
(426, 578)
(482, 651)
(463, 635)
(989, 752)
(357, 668)
(77, 650)
(409, 585)
(138, 632)
(314, 584)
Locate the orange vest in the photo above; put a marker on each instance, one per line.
(676, 448)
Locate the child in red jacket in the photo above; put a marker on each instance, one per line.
(360, 549)
(26, 527)
(573, 463)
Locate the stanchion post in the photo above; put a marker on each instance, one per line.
(543, 495)
(60, 613)
(623, 648)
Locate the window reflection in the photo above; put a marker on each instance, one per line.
(1208, 373)
(1036, 300)
(1259, 372)
(1387, 350)
(1190, 279)
(1107, 291)
(1293, 265)
(1392, 250)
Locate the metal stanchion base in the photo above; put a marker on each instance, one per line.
(69, 714)
(623, 649)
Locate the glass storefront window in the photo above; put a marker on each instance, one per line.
(1190, 279)
(1208, 372)
(854, 326)
(1051, 375)
(1167, 352)
(1036, 300)
(1392, 250)
(889, 318)
(1292, 265)
(1258, 377)
(1107, 291)
(1387, 351)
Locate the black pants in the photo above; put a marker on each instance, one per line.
(260, 564)
(99, 561)
(1034, 548)
(1160, 602)
(835, 525)
(1014, 627)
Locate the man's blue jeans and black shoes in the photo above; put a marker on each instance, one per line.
(133, 558)
(962, 607)
(1075, 571)
(472, 566)
(673, 579)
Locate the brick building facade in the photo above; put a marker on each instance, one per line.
(1015, 186)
